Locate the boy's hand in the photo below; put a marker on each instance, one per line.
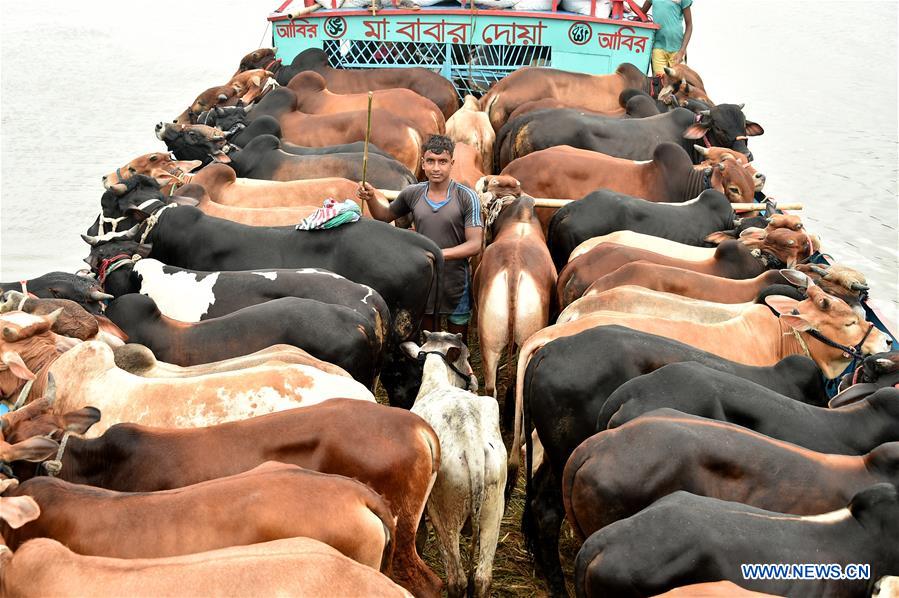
(365, 192)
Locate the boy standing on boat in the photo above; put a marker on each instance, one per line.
(449, 214)
(675, 29)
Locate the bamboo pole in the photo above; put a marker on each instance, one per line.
(367, 136)
(542, 202)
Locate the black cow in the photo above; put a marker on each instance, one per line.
(684, 539)
(876, 371)
(401, 265)
(606, 480)
(193, 296)
(262, 158)
(722, 126)
(700, 390)
(333, 333)
(84, 290)
(566, 384)
(603, 212)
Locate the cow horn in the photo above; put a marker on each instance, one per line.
(818, 270)
(100, 296)
(702, 151)
(130, 233)
(50, 391)
(858, 286)
(741, 106)
(705, 112)
(53, 316)
(670, 71)
(721, 166)
(90, 240)
(222, 97)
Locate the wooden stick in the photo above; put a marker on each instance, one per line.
(367, 135)
(558, 203)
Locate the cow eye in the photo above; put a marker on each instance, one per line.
(733, 189)
(153, 158)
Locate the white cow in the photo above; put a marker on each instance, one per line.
(472, 474)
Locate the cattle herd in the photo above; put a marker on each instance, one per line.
(195, 415)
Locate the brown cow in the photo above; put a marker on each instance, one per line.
(471, 126)
(513, 285)
(269, 502)
(564, 172)
(395, 135)
(313, 97)
(732, 259)
(598, 93)
(223, 187)
(422, 81)
(243, 87)
(74, 321)
(756, 337)
(466, 165)
(399, 459)
(291, 567)
(161, 166)
(712, 156)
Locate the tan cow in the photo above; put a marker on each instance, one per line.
(291, 567)
(472, 126)
(712, 156)
(140, 361)
(565, 172)
(756, 337)
(159, 165)
(87, 375)
(513, 285)
(633, 299)
(313, 97)
(236, 213)
(466, 167)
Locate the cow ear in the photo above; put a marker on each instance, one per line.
(753, 129)
(19, 510)
(37, 448)
(695, 131)
(720, 237)
(797, 278)
(796, 322)
(410, 349)
(780, 304)
(15, 364)
(453, 354)
(80, 421)
(8, 484)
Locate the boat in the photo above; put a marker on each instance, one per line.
(470, 46)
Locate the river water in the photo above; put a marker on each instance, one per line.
(84, 83)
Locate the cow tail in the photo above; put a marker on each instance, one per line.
(528, 525)
(389, 545)
(476, 472)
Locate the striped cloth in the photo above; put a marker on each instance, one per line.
(332, 214)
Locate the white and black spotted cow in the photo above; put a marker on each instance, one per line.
(193, 296)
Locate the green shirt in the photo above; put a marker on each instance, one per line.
(669, 16)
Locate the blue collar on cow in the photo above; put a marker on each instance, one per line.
(422, 355)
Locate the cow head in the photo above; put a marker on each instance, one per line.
(263, 58)
(729, 177)
(724, 126)
(102, 255)
(452, 351)
(841, 281)
(229, 119)
(680, 84)
(35, 419)
(84, 290)
(124, 206)
(194, 142)
(161, 166)
(250, 85)
(833, 319)
(26, 345)
(712, 156)
(787, 246)
(209, 98)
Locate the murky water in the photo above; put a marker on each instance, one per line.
(83, 85)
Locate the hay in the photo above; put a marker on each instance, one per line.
(513, 567)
